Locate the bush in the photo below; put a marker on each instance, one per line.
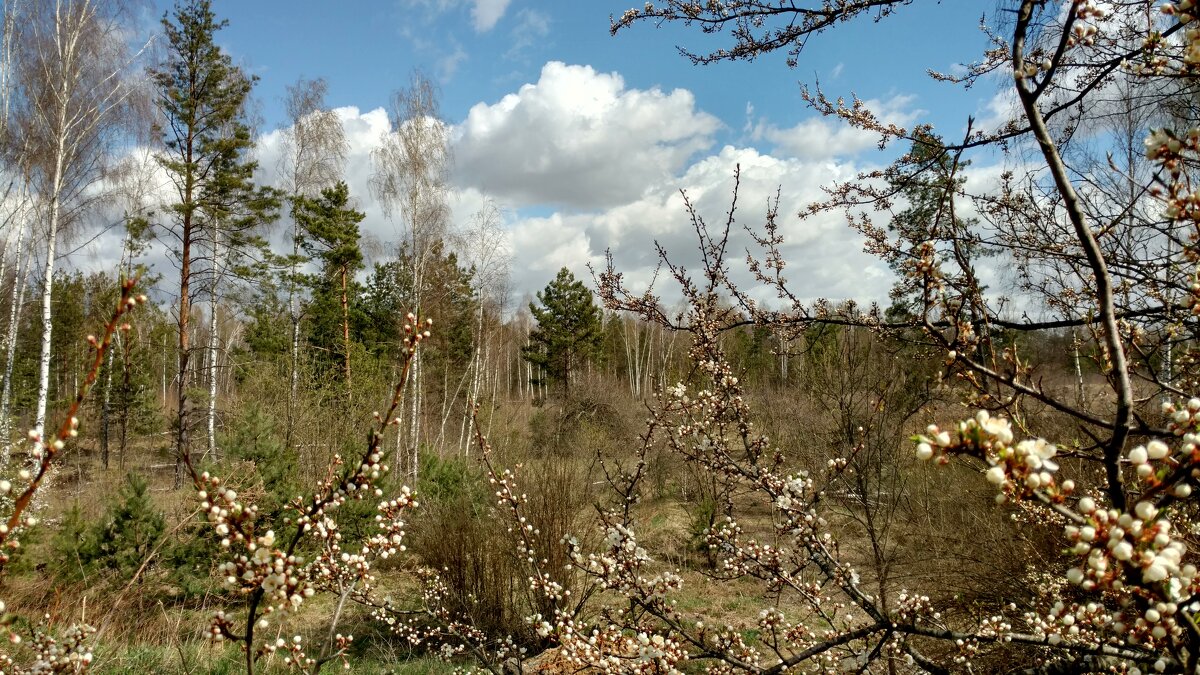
(127, 533)
(252, 437)
(461, 536)
(119, 542)
(70, 548)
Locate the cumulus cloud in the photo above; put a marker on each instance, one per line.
(448, 65)
(532, 27)
(825, 256)
(485, 14)
(583, 164)
(364, 132)
(579, 138)
(825, 137)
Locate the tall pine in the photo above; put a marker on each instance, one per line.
(201, 96)
(929, 178)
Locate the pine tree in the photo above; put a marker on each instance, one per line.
(71, 547)
(202, 97)
(569, 330)
(131, 527)
(329, 228)
(930, 177)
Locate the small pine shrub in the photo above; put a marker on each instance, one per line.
(71, 548)
(253, 437)
(188, 560)
(122, 540)
(448, 479)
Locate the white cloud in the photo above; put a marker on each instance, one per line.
(997, 111)
(364, 131)
(825, 256)
(579, 138)
(825, 137)
(582, 164)
(485, 14)
(448, 64)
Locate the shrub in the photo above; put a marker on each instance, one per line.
(71, 547)
(251, 436)
(123, 539)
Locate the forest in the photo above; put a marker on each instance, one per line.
(254, 444)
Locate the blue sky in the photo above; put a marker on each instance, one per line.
(584, 139)
(367, 48)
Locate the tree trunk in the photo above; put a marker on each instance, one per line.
(10, 346)
(48, 282)
(105, 408)
(213, 345)
(126, 392)
(473, 398)
(294, 363)
(185, 308)
(346, 334)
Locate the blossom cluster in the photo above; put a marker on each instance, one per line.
(1132, 562)
(268, 572)
(1019, 469)
(69, 653)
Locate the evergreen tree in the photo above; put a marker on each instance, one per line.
(122, 540)
(201, 96)
(384, 304)
(569, 329)
(329, 231)
(70, 548)
(253, 437)
(388, 297)
(929, 177)
(267, 333)
(450, 302)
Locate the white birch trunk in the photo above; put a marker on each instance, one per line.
(48, 285)
(213, 344)
(10, 346)
(164, 372)
(473, 397)
(415, 440)
(294, 308)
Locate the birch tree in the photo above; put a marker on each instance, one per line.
(75, 92)
(234, 209)
(21, 262)
(411, 173)
(488, 257)
(314, 158)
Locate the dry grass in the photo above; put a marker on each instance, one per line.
(933, 542)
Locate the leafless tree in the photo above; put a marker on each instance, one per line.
(486, 254)
(77, 83)
(411, 181)
(314, 157)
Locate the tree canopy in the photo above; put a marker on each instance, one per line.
(569, 329)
